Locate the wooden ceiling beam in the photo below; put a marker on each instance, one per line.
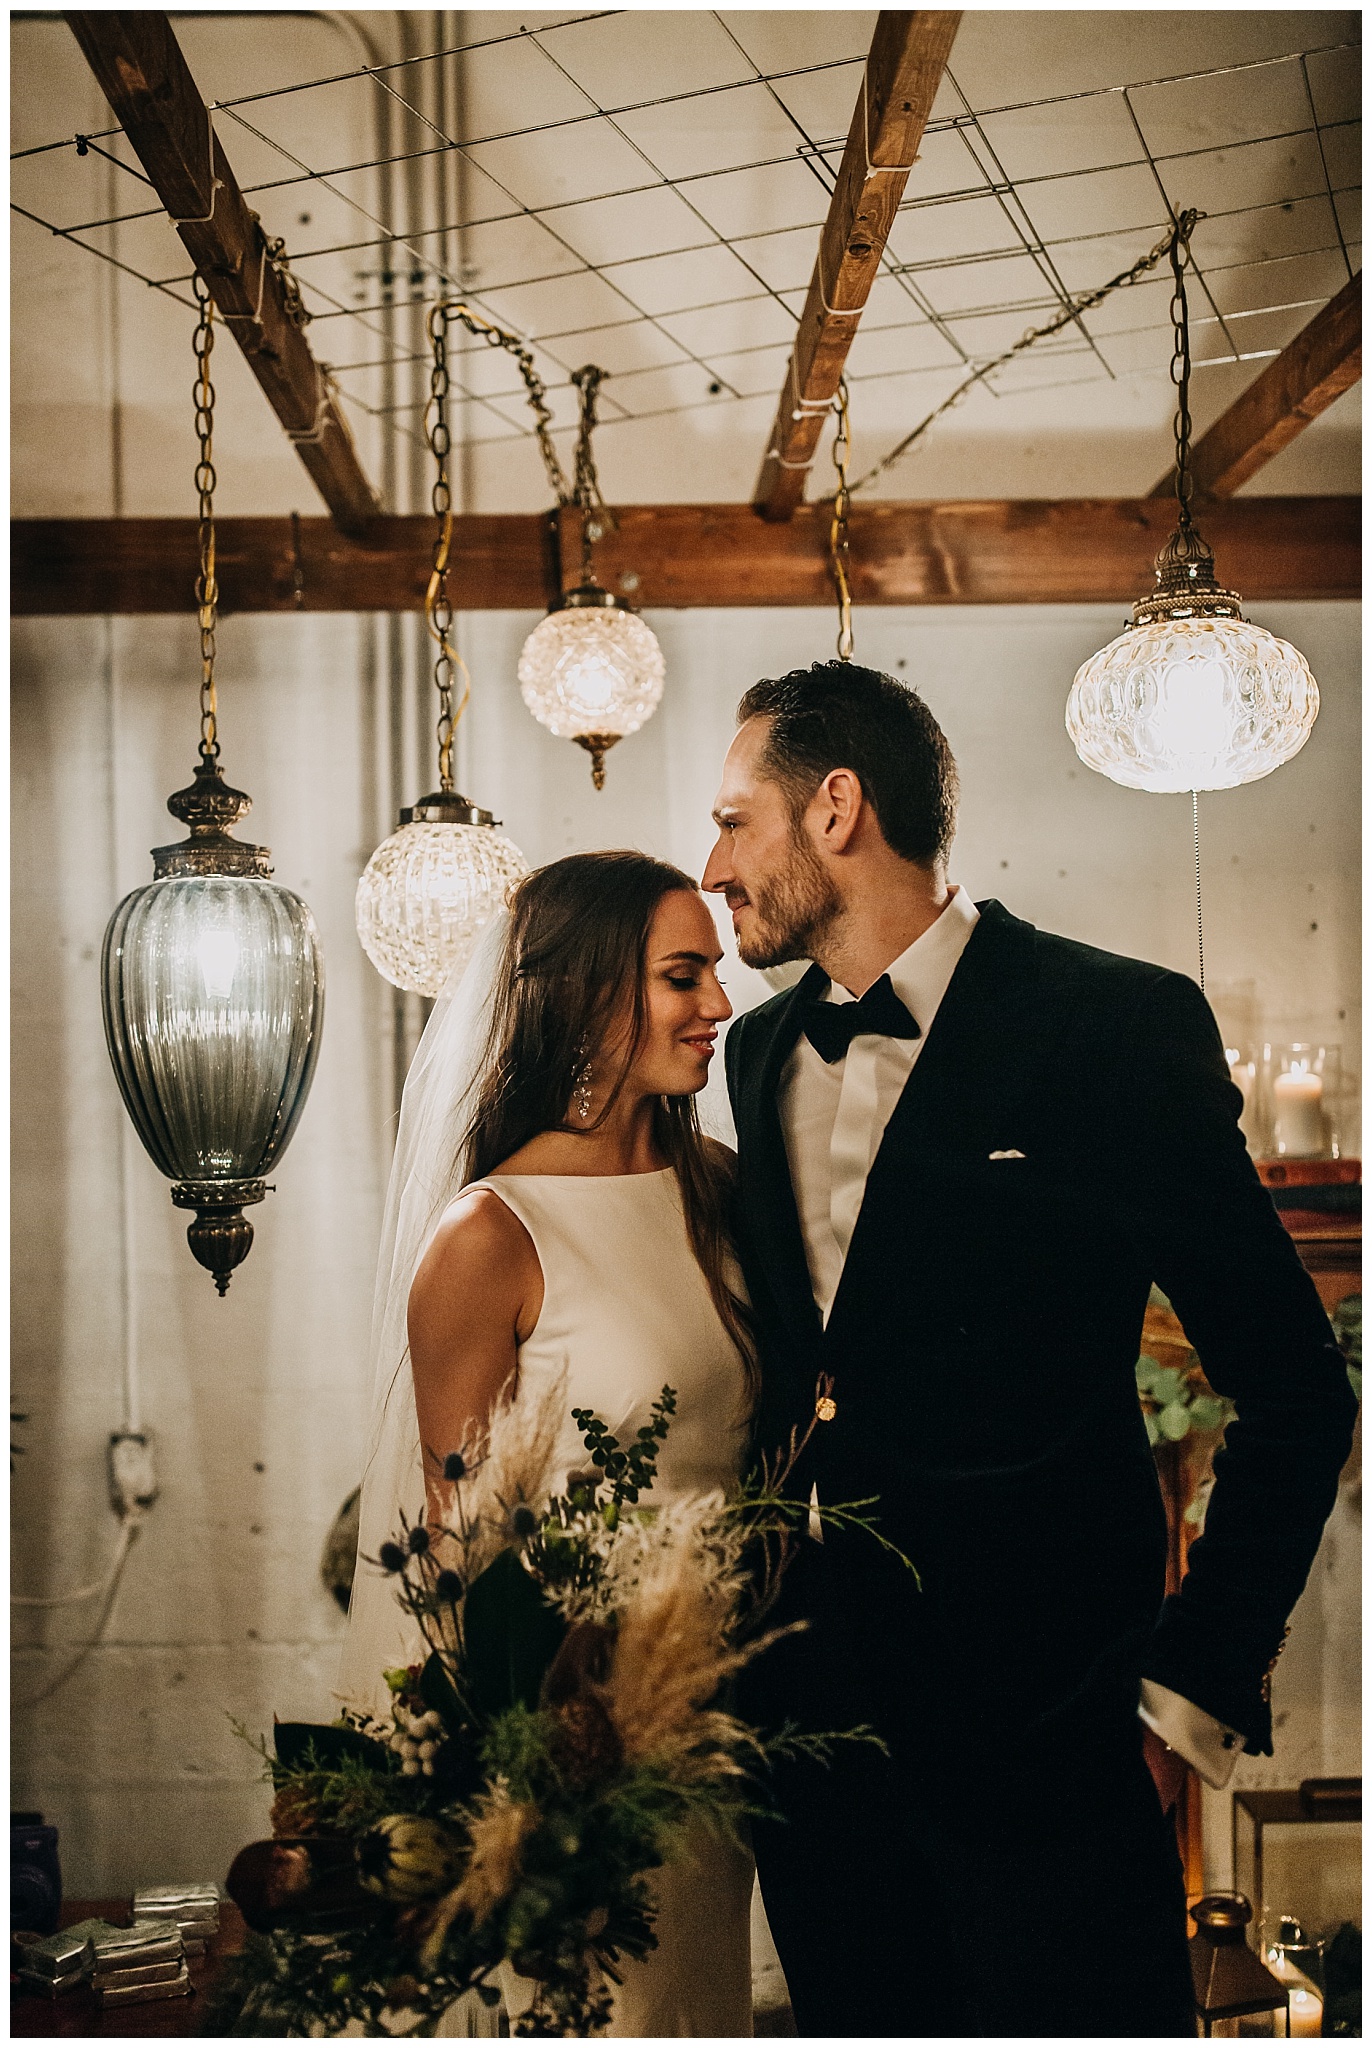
(1027, 551)
(902, 74)
(1323, 361)
(144, 76)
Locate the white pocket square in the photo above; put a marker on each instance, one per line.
(1005, 1155)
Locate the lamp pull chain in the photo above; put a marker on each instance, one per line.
(838, 525)
(206, 582)
(1200, 921)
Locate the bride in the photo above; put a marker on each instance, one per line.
(555, 1213)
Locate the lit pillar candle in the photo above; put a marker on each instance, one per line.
(1297, 1099)
(1307, 2006)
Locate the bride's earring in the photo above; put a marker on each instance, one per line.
(581, 1083)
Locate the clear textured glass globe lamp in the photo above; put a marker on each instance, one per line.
(592, 672)
(428, 890)
(1191, 695)
(212, 986)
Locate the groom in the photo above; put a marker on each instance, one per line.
(966, 1149)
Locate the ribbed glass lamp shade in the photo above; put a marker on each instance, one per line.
(592, 672)
(1192, 704)
(1191, 695)
(212, 984)
(425, 895)
(213, 991)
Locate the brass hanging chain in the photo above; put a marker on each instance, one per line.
(1084, 302)
(443, 315)
(1179, 255)
(206, 583)
(449, 667)
(838, 525)
(596, 517)
(438, 610)
(274, 255)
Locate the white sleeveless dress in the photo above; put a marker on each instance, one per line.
(626, 1310)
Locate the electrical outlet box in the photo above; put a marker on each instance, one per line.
(133, 1475)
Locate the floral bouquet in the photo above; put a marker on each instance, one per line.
(564, 1732)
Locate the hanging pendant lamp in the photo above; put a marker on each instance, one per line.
(428, 890)
(1191, 695)
(212, 981)
(592, 671)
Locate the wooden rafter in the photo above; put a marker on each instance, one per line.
(902, 74)
(144, 76)
(1050, 551)
(1324, 360)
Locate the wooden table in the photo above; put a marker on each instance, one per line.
(77, 2015)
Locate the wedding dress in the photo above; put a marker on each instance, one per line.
(626, 1310)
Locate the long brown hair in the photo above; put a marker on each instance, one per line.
(577, 946)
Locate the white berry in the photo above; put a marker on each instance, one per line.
(411, 1767)
(427, 1752)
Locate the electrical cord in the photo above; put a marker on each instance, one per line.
(129, 1527)
(100, 1585)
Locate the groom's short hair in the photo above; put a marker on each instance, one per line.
(838, 715)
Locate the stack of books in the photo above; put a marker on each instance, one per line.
(134, 1964)
(46, 1965)
(194, 1908)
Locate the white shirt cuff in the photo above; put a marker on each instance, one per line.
(1207, 1745)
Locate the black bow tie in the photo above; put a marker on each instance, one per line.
(832, 1027)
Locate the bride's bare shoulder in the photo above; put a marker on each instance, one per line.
(480, 1245)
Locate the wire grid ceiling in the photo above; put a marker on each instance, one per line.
(670, 237)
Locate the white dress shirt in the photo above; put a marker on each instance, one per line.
(833, 1118)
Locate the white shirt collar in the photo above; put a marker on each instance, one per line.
(921, 975)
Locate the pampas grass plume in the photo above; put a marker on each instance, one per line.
(498, 1832)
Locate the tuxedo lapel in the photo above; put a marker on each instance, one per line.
(967, 1078)
(976, 1042)
(769, 1198)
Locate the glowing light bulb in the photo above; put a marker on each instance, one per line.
(217, 953)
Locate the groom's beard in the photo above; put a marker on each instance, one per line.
(792, 912)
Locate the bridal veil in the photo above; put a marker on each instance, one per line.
(426, 1173)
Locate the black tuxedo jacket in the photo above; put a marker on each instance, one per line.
(982, 1346)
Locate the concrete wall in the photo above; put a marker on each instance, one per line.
(258, 1403)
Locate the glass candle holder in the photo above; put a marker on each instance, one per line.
(1303, 1092)
(1296, 1959)
(1246, 1074)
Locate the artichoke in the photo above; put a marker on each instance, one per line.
(407, 1857)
